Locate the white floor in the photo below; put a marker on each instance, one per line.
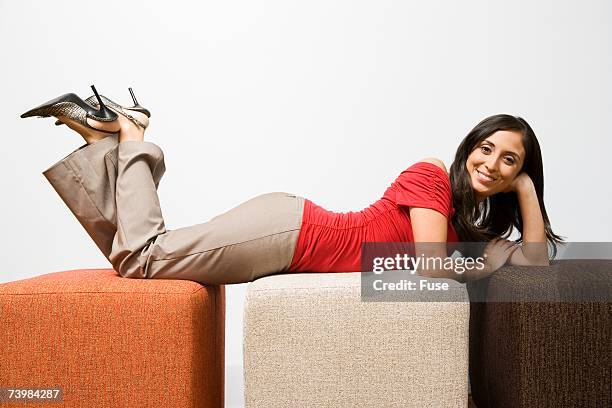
(234, 386)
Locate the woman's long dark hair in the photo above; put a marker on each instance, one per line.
(497, 214)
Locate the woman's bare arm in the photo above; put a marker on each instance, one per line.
(430, 233)
(429, 228)
(534, 250)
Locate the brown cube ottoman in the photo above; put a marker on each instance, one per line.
(541, 336)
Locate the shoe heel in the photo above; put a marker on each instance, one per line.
(103, 111)
(137, 106)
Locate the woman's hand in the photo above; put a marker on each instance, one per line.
(497, 252)
(521, 181)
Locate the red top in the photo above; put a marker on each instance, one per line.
(331, 242)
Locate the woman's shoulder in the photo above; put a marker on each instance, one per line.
(427, 167)
(429, 171)
(435, 161)
(425, 184)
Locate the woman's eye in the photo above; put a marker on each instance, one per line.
(485, 149)
(510, 160)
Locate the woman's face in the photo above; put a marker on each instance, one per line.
(499, 156)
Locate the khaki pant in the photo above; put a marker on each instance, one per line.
(111, 188)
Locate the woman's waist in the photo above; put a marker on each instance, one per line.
(379, 212)
(356, 227)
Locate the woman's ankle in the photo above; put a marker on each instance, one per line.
(130, 130)
(131, 133)
(93, 139)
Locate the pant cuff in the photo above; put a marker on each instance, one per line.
(102, 144)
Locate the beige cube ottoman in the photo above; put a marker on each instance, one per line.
(310, 341)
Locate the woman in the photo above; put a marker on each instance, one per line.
(110, 185)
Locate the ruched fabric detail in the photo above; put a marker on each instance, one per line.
(425, 185)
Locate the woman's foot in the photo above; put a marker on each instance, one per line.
(91, 135)
(132, 129)
(132, 120)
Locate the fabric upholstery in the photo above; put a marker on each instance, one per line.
(309, 341)
(530, 353)
(114, 342)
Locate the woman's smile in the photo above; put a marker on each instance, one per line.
(483, 178)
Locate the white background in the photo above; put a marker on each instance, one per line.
(326, 99)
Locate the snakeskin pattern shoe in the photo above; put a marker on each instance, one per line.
(73, 107)
(93, 101)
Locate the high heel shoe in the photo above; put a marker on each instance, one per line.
(73, 107)
(92, 100)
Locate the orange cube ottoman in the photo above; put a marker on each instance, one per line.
(109, 341)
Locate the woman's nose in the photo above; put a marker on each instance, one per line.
(491, 166)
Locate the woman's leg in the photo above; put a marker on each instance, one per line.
(254, 239)
(85, 181)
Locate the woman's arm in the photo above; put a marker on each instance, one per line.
(430, 233)
(429, 228)
(534, 250)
